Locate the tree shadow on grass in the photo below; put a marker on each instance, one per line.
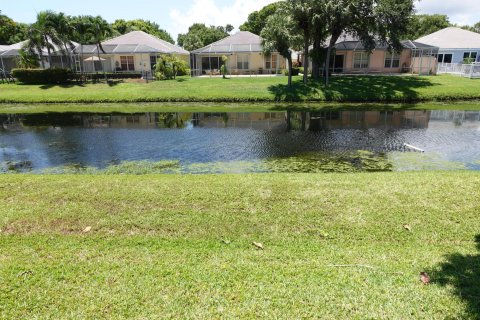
(64, 86)
(355, 89)
(462, 272)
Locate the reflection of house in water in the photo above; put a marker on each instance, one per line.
(258, 120)
(328, 120)
(459, 118)
(144, 120)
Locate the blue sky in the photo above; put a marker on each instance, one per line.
(176, 16)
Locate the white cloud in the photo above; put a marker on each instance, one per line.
(460, 12)
(210, 13)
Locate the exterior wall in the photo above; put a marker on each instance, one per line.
(376, 62)
(112, 62)
(424, 65)
(458, 54)
(256, 65)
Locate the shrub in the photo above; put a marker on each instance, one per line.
(41, 76)
(295, 71)
(301, 70)
(169, 67)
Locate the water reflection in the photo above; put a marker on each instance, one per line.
(98, 140)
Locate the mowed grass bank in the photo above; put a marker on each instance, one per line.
(379, 89)
(27, 108)
(335, 246)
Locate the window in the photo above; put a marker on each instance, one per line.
(127, 63)
(445, 58)
(360, 60)
(211, 63)
(469, 56)
(392, 60)
(153, 62)
(271, 62)
(242, 62)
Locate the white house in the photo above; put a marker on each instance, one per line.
(136, 51)
(455, 44)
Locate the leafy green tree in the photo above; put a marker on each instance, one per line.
(476, 27)
(199, 35)
(7, 28)
(280, 34)
(121, 26)
(258, 19)
(370, 20)
(425, 24)
(169, 66)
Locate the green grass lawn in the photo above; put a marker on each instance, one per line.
(335, 246)
(255, 89)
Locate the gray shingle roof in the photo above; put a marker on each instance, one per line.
(141, 42)
(453, 38)
(13, 50)
(242, 41)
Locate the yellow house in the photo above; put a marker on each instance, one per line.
(136, 51)
(244, 54)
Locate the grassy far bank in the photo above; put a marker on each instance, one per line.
(25, 108)
(334, 245)
(380, 89)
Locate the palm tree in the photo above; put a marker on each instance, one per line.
(35, 43)
(280, 34)
(100, 30)
(45, 25)
(64, 29)
(82, 29)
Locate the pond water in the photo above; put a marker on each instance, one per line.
(240, 142)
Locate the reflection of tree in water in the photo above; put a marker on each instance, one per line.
(174, 120)
(462, 272)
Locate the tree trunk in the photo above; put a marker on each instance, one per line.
(327, 64)
(290, 67)
(315, 62)
(99, 60)
(49, 54)
(305, 59)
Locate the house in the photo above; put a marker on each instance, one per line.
(9, 56)
(136, 51)
(351, 57)
(455, 44)
(244, 54)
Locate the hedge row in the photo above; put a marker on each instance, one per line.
(42, 76)
(62, 76)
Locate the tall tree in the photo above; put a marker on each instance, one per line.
(36, 43)
(100, 30)
(385, 21)
(199, 35)
(64, 28)
(424, 24)
(45, 26)
(258, 19)
(82, 32)
(280, 34)
(121, 26)
(7, 28)
(301, 13)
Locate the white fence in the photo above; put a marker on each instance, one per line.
(464, 70)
